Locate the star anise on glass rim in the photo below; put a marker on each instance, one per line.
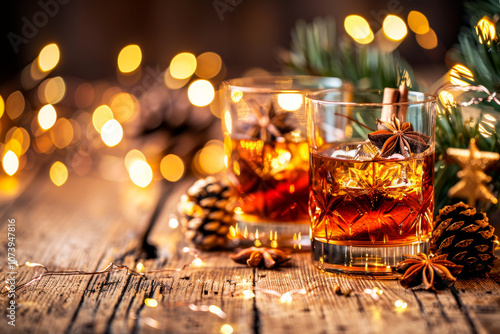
(394, 137)
(267, 124)
(257, 256)
(433, 271)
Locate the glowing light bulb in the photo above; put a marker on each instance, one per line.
(111, 133)
(47, 116)
(10, 163)
(460, 72)
(201, 93)
(129, 58)
(48, 57)
(141, 173)
(486, 30)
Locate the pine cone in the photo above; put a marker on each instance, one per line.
(466, 237)
(207, 211)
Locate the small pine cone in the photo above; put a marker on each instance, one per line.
(466, 237)
(207, 212)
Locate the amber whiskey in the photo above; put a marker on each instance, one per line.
(271, 178)
(362, 200)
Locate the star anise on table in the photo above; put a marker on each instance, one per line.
(267, 124)
(255, 257)
(393, 137)
(434, 271)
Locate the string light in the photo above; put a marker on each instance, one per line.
(112, 267)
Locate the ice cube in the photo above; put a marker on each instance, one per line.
(366, 151)
(396, 156)
(344, 154)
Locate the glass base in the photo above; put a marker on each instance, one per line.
(293, 234)
(363, 259)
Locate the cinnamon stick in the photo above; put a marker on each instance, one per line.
(393, 95)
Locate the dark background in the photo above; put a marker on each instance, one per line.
(90, 34)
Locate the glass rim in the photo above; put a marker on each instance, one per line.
(428, 98)
(246, 86)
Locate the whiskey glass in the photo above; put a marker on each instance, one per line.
(267, 156)
(371, 194)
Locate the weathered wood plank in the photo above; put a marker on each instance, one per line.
(77, 226)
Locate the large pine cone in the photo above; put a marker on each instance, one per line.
(207, 211)
(466, 237)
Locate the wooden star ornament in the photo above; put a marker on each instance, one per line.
(472, 177)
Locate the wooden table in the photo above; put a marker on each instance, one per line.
(90, 222)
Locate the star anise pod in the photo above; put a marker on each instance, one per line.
(255, 257)
(267, 124)
(394, 137)
(433, 271)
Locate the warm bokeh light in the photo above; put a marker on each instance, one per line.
(124, 106)
(486, 30)
(14, 106)
(226, 329)
(428, 40)
(290, 102)
(112, 133)
(48, 57)
(141, 173)
(132, 156)
(101, 115)
(2, 106)
(367, 40)
(20, 136)
(58, 173)
(172, 82)
(228, 122)
(208, 65)
(10, 163)
(447, 99)
(212, 157)
(460, 72)
(172, 167)
(357, 27)
(52, 90)
(62, 133)
(236, 96)
(394, 28)
(183, 65)
(129, 58)
(173, 222)
(47, 116)
(418, 23)
(201, 93)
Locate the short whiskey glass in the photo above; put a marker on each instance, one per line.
(371, 194)
(267, 156)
